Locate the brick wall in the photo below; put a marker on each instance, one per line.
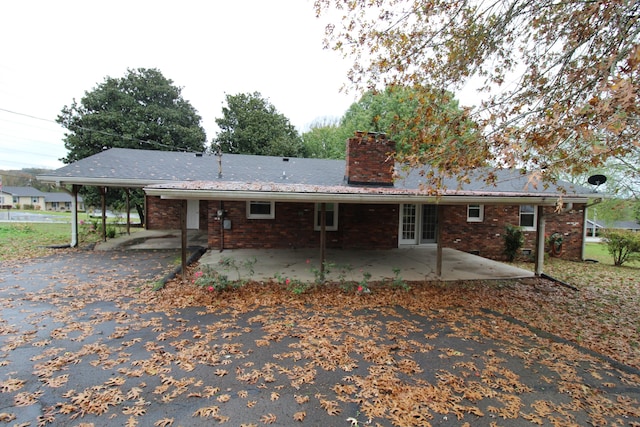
(486, 238)
(163, 214)
(359, 226)
(368, 159)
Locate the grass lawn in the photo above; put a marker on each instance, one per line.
(27, 240)
(598, 252)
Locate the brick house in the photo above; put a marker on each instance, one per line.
(245, 201)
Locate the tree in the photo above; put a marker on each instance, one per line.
(326, 139)
(560, 80)
(252, 125)
(142, 110)
(400, 112)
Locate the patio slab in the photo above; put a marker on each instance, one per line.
(415, 264)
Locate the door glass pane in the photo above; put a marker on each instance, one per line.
(429, 223)
(408, 222)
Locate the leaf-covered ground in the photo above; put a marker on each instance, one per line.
(86, 341)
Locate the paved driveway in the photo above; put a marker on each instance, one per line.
(86, 342)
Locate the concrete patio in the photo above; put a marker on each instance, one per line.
(414, 264)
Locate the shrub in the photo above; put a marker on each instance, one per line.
(622, 245)
(513, 241)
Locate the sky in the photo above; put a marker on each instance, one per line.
(55, 51)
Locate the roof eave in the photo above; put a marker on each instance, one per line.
(101, 182)
(319, 197)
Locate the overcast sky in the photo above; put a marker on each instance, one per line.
(54, 51)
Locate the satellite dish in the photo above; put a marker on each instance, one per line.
(597, 180)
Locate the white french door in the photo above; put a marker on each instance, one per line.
(418, 224)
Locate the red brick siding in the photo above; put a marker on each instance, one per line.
(359, 226)
(369, 226)
(163, 214)
(486, 237)
(368, 160)
(204, 215)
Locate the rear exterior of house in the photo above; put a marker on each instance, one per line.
(262, 222)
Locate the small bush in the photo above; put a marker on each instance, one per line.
(513, 241)
(623, 246)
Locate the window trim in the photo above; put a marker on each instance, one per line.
(480, 217)
(534, 214)
(270, 215)
(316, 217)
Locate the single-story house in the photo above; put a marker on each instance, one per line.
(22, 197)
(29, 197)
(595, 228)
(61, 201)
(364, 201)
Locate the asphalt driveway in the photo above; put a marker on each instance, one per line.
(86, 341)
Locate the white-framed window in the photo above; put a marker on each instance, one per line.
(528, 217)
(261, 210)
(331, 216)
(34, 200)
(475, 213)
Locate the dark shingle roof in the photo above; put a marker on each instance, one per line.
(22, 191)
(188, 171)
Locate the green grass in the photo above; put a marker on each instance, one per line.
(598, 252)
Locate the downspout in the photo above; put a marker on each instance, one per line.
(74, 213)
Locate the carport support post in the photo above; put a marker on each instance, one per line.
(539, 241)
(183, 229)
(103, 201)
(439, 244)
(323, 238)
(126, 192)
(74, 215)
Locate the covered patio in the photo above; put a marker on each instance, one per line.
(412, 264)
(415, 263)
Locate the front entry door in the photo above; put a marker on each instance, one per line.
(418, 224)
(193, 214)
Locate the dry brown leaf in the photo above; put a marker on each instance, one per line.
(268, 419)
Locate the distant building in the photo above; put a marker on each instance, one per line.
(32, 198)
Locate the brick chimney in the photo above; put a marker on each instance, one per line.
(369, 159)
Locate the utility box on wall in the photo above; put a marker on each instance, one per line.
(226, 224)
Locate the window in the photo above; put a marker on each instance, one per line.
(475, 213)
(528, 217)
(34, 200)
(261, 210)
(331, 216)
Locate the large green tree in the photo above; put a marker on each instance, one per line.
(559, 80)
(404, 114)
(326, 139)
(142, 110)
(250, 124)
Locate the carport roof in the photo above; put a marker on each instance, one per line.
(247, 177)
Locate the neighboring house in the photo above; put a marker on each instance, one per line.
(594, 228)
(22, 198)
(245, 201)
(61, 202)
(601, 226)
